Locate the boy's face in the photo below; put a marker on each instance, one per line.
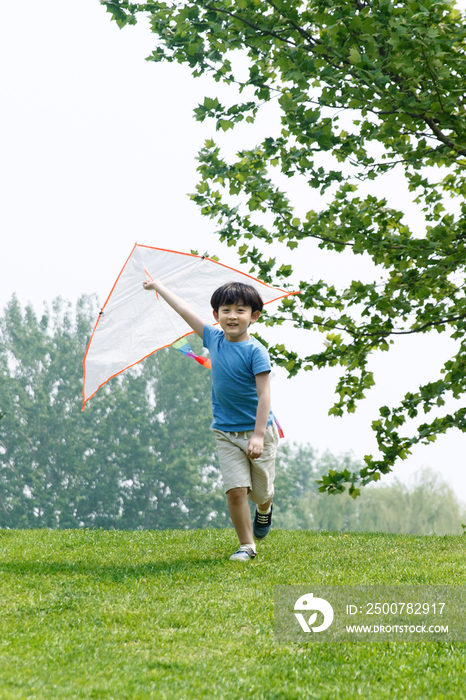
(234, 320)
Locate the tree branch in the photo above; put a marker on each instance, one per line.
(251, 24)
(387, 334)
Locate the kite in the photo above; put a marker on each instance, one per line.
(134, 324)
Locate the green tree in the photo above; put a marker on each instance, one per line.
(362, 88)
(140, 456)
(298, 504)
(426, 506)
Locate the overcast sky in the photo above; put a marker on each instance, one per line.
(98, 151)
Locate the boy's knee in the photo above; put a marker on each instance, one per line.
(237, 495)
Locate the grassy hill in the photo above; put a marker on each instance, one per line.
(165, 614)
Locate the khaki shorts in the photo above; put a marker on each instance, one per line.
(257, 475)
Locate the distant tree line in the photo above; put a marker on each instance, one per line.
(141, 456)
(425, 507)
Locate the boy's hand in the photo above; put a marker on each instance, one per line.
(255, 446)
(177, 304)
(149, 284)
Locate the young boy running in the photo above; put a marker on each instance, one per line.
(243, 422)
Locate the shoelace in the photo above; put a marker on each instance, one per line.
(263, 518)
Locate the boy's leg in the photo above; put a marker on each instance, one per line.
(238, 507)
(263, 507)
(263, 471)
(262, 476)
(236, 474)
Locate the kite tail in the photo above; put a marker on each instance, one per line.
(204, 361)
(184, 347)
(279, 428)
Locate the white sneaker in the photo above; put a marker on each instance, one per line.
(244, 553)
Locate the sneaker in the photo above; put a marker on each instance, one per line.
(244, 553)
(262, 524)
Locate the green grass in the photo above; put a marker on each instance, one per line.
(111, 614)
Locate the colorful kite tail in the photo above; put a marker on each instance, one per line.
(204, 361)
(279, 428)
(184, 347)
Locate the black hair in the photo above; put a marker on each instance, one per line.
(236, 293)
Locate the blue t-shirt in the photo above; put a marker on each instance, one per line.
(234, 369)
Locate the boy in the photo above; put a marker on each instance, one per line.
(243, 423)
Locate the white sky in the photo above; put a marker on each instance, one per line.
(98, 151)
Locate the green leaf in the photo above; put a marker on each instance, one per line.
(225, 124)
(354, 55)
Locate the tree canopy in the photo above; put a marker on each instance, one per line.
(363, 88)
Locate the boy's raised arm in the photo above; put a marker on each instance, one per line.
(178, 305)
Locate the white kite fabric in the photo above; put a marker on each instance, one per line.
(134, 323)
